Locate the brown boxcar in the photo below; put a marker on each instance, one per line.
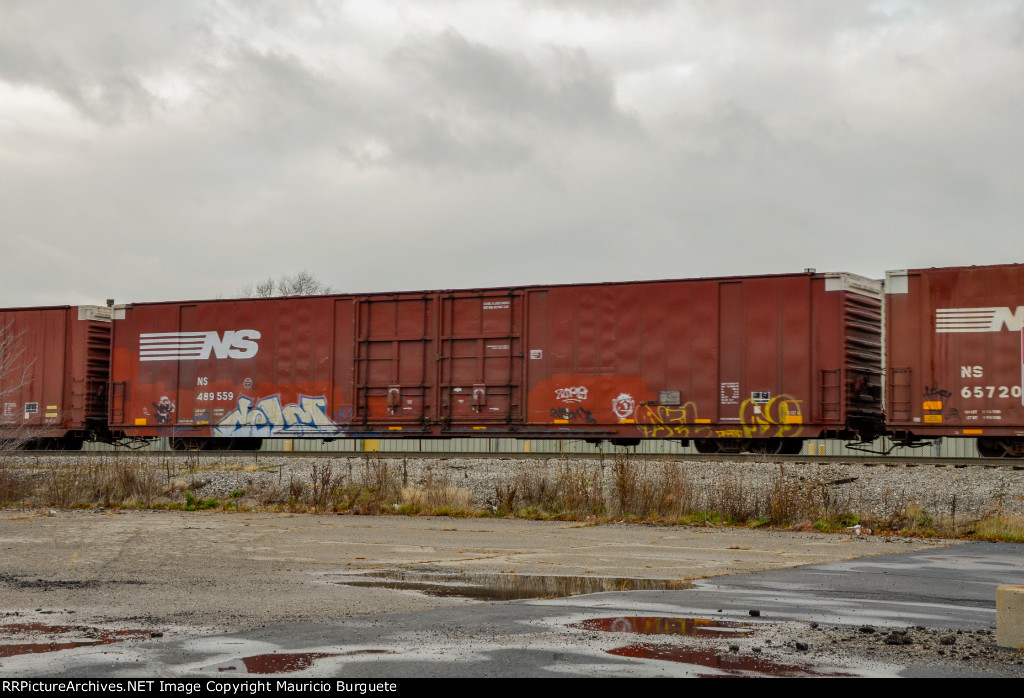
(746, 363)
(954, 357)
(54, 368)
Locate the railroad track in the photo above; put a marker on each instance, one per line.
(256, 456)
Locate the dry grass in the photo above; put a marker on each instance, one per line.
(446, 499)
(14, 485)
(433, 494)
(652, 490)
(114, 482)
(1001, 528)
(665, 491)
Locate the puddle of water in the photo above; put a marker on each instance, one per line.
(89, 637)
(727, 663)
(653, 625)
(40, 647)
(506, 587)
(284, 663)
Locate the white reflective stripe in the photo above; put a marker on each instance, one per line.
(145, 336)
(172, 346)
(978, 319)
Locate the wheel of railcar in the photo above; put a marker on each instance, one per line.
(766, 447)
(706, 446)
(990, 448)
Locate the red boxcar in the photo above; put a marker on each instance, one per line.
(54, 367)
(751, 363)
(954, 356)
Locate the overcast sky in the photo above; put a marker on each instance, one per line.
(175, 150)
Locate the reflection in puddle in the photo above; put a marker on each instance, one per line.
(505, 587)
(653, 625)
(282, 663)
(727, 664)
(61, 637)
(285, 663)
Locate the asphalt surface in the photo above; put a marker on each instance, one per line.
(188, 595)
(950, 589)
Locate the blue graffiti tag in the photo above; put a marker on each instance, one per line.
(269, 418)
(344, 414)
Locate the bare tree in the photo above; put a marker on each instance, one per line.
(15, 371)
(303, 283)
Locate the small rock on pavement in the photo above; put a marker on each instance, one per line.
(754, 612)
(897, 638)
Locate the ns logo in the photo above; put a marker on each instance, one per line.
(191, 346)
(979, 319)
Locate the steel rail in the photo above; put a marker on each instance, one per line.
(739, 459)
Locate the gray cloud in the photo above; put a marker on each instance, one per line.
(168, 151)
(96, 60)
(475, 106)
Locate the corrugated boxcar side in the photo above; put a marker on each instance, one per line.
(232, 368)
(54, 366)
(415, 363)
(953, 354)
(735, 358)
(447, 361)
(754, 357)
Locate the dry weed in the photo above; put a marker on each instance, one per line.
(437, 499)
(14, 486)
(579, 490)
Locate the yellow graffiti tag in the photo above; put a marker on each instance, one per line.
(777, 418)
(780, 417)
(661, 421)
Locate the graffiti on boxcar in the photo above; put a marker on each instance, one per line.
(576, 393)
(268, 417)
(344, 414)
(661, 421)
(623, 406)
(580, 414)
(933, 392)
(164, 408)
(778, 418)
